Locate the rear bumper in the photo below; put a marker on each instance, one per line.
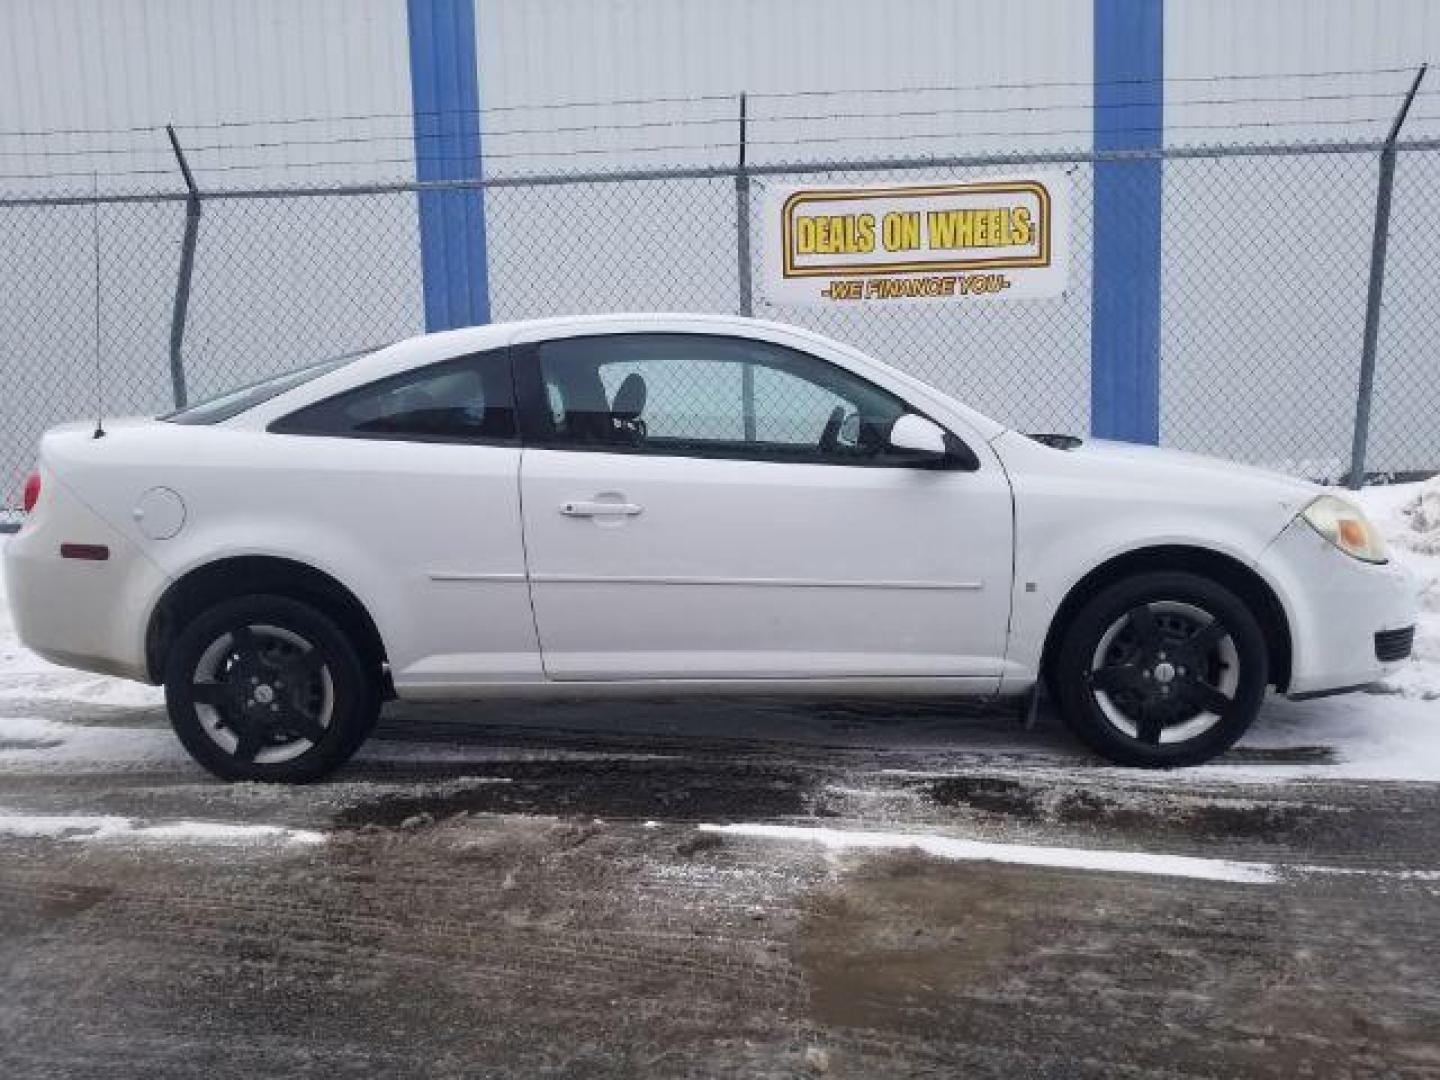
(1347, 617)
(80, 613)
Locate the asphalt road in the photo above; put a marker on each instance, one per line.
(525, 890)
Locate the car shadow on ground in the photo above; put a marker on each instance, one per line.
(921, 763)
(676, 759)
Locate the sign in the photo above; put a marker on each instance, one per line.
(999, 238)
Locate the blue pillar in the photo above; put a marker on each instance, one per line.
(445, 95)
(1125, 303)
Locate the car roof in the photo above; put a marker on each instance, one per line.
(494, 334)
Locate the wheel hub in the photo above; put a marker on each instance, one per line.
(269, 690)
(1164, 671)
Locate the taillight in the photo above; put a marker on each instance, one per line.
(32, 491)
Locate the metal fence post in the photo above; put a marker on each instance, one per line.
(1375, 293)
(743, 269)
(187, 269)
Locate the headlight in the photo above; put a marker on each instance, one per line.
(1345, 526)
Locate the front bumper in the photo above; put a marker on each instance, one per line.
(1346, 616)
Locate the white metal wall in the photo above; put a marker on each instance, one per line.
(111, 65)
(535, 53)
(102, 68)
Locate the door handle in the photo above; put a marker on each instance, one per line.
(582, 508)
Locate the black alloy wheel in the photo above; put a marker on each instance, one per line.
(1162, 669)
(268, 688)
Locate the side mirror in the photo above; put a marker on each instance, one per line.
(923, 442)
(915, 437)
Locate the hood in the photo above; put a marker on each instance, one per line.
(1183, 460)
(1153, 471)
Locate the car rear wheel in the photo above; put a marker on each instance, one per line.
(268, 688)
(1161, 669)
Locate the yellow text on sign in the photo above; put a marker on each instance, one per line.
(937, 230)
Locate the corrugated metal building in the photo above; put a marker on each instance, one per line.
(271, 93)
(346, 69)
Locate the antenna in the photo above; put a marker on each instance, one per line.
(99, 369)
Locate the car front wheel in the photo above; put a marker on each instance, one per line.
(1161, 669)
(268, 688)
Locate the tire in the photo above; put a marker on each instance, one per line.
(1161, 670)
(269, 688)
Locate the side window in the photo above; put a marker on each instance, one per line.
(711, 396)
(469, 399)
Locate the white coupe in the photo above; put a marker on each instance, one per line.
(674, 503)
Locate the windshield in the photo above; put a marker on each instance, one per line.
(234, 402)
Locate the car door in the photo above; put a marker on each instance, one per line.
(710, 507)
(414, 478)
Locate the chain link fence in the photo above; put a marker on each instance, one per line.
(1266, 259)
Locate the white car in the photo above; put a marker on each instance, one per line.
(674, 503)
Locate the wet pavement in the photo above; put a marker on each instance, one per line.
(525, 889)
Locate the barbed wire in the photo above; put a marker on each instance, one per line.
(1087, 84)
(698, 147)
(421, 136)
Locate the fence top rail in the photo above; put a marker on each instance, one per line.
(728, 171)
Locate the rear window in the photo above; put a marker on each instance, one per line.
(234, 402)
(467, 399)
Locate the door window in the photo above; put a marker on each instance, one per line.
(690, 394)
(470, 399)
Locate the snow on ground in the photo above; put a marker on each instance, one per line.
(38, 745)
(1392, 734)
(1373, 736)
(78, 827)
(1096, 860)
(23, 675)
(950, 847)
